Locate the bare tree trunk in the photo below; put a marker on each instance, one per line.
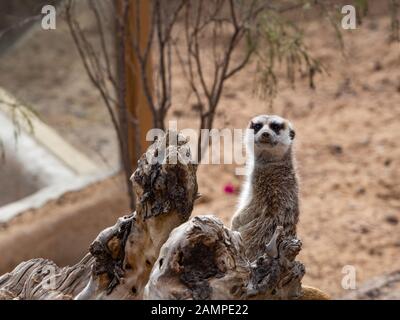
(140, 258)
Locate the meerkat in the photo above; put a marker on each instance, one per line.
(269, 197)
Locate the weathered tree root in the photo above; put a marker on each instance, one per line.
(139, 257)
(121, 257)
(202, 259)
(40, 279)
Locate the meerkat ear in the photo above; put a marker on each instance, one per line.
(292, 134)
(251, 124)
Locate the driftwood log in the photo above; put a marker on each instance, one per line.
(140, 258)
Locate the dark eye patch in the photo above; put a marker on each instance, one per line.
(292, 134)
(276, 127)
(256, 126)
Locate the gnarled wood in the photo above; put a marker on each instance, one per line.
(43, 279)
(202, 259)
(121, 257)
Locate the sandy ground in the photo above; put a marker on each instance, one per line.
(347, 144)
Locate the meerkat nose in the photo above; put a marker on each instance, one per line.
(265, 135)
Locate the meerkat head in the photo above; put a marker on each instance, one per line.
(273, 136)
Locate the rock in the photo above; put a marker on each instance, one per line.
(360, 191)
(377, 66)
(364, 230)
(336, 149)
(392, 219)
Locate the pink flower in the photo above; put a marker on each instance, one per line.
(229, 188)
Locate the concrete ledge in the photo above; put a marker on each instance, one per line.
(43, 153)
(46, 136)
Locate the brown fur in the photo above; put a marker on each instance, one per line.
(274, 202)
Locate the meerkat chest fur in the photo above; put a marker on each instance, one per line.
(275, 192)
(269, 197)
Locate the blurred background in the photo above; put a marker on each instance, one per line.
(64, 167)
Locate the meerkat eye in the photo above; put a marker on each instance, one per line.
(256, 127)
(276, 127)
